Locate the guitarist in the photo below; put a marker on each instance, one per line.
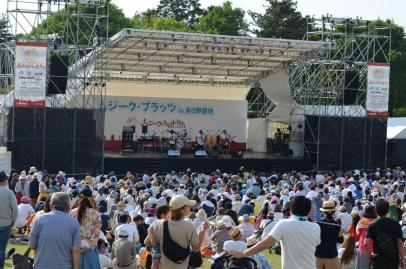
(225, 140)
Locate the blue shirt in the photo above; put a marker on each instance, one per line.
(54, 235)
(246, 209)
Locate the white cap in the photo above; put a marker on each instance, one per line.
(179, 201)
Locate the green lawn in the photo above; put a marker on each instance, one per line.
(275, 259)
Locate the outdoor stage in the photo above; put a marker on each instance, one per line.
(160, 162)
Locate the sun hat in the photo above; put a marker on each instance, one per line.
(179, 201)
(252, 240)
(121, 206)
(342, 209)
(220, 224)
(123, 233)
(328, 206)
(235, 232)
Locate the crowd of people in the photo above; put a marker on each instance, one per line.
(329, 220)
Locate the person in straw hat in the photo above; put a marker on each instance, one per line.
(326, 251)
(219, 236)
(235, 243)
(260, 259)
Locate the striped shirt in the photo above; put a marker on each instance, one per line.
(54, 235)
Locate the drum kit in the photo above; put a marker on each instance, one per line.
(182, 139)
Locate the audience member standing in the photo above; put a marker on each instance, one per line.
(55, 236)
(8, 215)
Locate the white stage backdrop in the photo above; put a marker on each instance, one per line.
(164, 114)
(378, 90)
(30, 75)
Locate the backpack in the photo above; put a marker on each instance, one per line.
(172, 249)
(225, 262)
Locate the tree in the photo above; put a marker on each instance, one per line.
(58, 25)
(181, 10)
(281, 20)
(157, 23)
(224, 20)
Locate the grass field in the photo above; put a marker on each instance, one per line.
(274, 259)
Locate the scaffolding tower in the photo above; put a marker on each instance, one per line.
(76, 33)
(318, 85)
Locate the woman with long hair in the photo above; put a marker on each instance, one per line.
(347, 254)
(352, 230)
(90, 224)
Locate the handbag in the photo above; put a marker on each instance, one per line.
(23, 261)
(195, 259)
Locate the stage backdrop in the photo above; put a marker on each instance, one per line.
(163, 115)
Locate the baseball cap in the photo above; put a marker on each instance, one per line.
(179, 201)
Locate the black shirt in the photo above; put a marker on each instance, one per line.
(143, 232)
(329, 236)
(233, 215)
(387, 225)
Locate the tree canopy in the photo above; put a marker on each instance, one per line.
(224, 20)
(280, 20)
(181, 10)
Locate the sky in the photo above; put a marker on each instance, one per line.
(367, 9)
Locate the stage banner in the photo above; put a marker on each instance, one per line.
(378, 90)
(30, 75)
(184, 116)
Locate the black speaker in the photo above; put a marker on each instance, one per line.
(351, 86)
(213, 154)
(127, 138)
(58, 74)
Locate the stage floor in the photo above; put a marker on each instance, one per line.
(153, 162)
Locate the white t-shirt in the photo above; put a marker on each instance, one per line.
(132, 232)
(234, 245)
(24, 211)
(345, 219)
(105, 262)
(298, 241)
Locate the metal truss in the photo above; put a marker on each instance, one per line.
(78, 37)
(146, 55)
(318, 84)
(259, 105)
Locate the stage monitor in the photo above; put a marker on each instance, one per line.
(173, 153)
(200, 153)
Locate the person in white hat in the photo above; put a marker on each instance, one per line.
(182, 232)
(123, 251)
(260, 259)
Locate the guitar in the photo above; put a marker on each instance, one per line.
(226, 141)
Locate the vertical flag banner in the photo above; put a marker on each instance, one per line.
(378, 90)
(30, 75)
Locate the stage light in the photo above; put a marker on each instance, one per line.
(300, 126)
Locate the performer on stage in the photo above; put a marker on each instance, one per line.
(200, 140)
(225, 140)
(144, 128)
(278, 138)
(172, 139)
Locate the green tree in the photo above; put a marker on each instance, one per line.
(181, 10)
(58, 24)
(224, 20)
(280, 20)
(159, 23)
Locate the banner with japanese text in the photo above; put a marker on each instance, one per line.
(30, 75)
(378, 90)
(184, 116)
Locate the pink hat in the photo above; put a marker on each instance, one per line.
(25, 200)
(274, 199)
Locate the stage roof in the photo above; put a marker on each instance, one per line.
(174, 57)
